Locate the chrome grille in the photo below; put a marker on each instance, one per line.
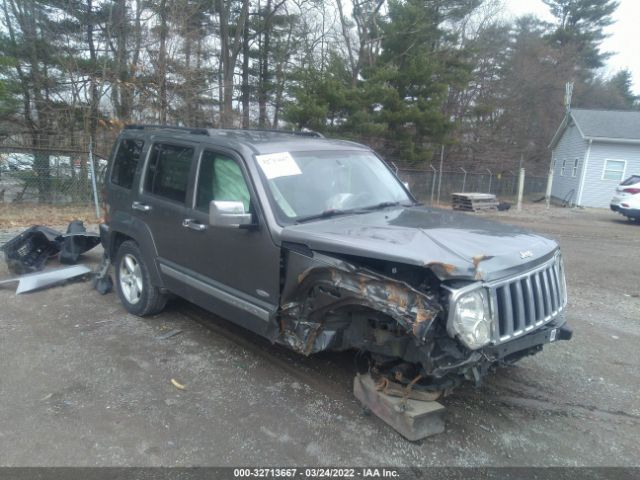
(523, 303)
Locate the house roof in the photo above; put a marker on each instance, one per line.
(603, 125)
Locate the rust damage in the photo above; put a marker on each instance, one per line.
(328, 289)
(443, 270)
(476, 265)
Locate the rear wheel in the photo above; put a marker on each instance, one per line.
(133, 282)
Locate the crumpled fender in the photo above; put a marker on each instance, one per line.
(317, 285)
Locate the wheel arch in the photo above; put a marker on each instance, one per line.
(120, 233)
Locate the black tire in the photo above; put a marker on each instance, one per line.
(149, 300)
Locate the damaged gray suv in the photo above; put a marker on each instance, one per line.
(316, 245)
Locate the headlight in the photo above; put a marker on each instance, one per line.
(470, 317)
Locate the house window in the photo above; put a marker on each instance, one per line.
(614, 170)
(564, 166)
(574, 172)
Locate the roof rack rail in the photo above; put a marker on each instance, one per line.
(300, 133)
(204, 131)
(194, 131)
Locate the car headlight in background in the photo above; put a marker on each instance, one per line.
(470, 317)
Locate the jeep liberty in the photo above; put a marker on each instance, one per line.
(315, 244)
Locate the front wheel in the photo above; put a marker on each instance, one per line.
(133, 282)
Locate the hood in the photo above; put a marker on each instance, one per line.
(454, 245)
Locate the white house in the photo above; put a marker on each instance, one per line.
(592, 152)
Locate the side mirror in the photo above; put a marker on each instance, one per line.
(223, 213)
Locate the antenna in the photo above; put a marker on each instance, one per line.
(568, 95)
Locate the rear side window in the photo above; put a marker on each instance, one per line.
(168, 171)
(126, 162)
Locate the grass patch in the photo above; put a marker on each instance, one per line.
(25, 215)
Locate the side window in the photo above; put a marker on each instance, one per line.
(126, 162)
(564, 166)
(220, 178)
(576, 163)
(168, 171)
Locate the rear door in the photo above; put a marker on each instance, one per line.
(163, 193)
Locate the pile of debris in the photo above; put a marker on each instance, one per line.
(27, 254)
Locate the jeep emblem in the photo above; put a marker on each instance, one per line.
(526, 254)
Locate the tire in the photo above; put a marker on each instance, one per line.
(133, 283)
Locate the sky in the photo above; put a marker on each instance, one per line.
(624, 34)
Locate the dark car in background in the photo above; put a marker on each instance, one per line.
(315, 244)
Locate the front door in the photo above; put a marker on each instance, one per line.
(233, 271)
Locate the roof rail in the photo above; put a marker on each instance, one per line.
(194, 131)
(204, 131)
(300, 133)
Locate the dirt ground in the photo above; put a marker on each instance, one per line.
(85, 384)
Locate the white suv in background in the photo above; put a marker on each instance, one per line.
(627, 198)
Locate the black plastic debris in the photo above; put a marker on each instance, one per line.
(29, 251)
(76, 241)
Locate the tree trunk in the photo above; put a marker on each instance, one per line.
(263, 80)
(162, 63)
(245, 78)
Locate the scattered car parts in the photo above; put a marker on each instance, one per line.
(39, 280)
(29, 251)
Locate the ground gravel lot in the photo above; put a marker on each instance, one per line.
(82, 383)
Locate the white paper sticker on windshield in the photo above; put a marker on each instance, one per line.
(276, 165)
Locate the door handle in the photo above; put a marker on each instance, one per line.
(193, 225)
(141, 206)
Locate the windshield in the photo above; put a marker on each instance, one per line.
(307, 185)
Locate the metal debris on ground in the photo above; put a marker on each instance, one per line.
(36, 281)
(29, 251)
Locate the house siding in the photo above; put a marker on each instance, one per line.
(596, 191)
(570, 147)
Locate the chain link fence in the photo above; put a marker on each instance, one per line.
(430, 187)
(64, 177)
(55, 178)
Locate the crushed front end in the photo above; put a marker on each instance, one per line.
(420, 327)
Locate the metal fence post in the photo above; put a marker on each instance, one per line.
(520, 188)
(464, 179)
(440, 173)
(433, 182)
(94, 185)
(490, 178)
